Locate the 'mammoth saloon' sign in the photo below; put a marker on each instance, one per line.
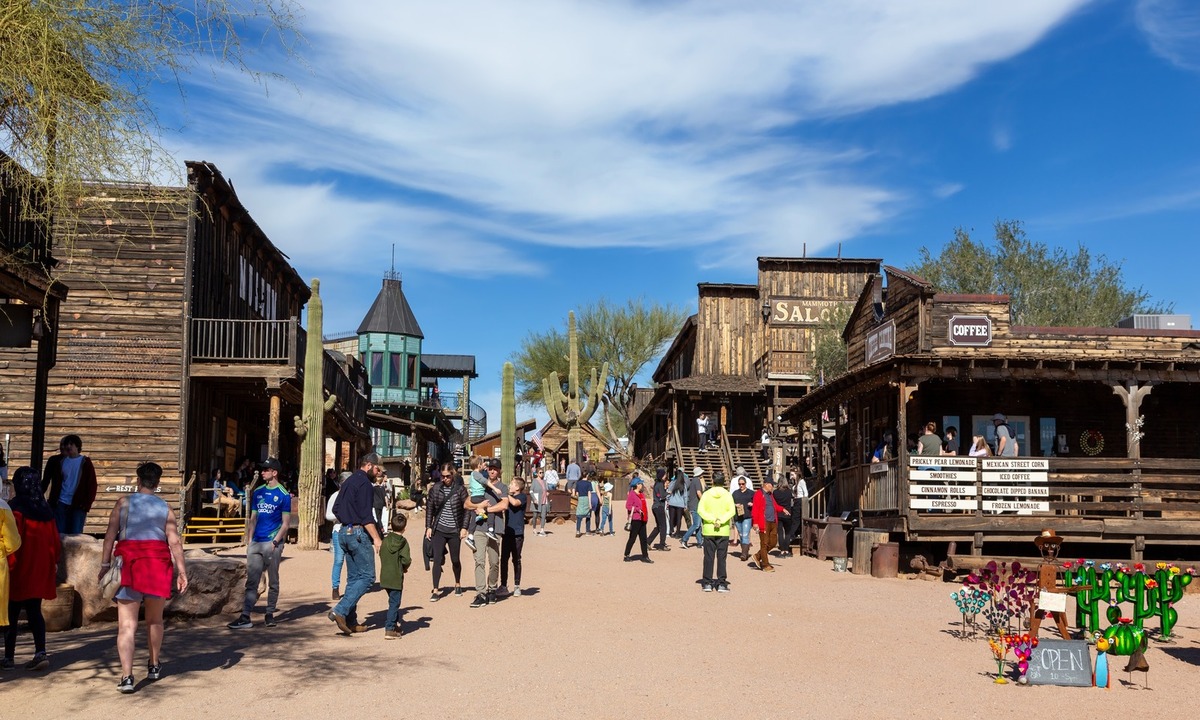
(970, 330)
(801, 311)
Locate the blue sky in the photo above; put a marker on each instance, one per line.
(527, 158)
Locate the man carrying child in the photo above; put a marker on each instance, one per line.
(489, 506)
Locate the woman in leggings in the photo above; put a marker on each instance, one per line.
(635, 505)
(677, 502)
(659, 508)
(446, 525)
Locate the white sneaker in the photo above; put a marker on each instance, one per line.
(471, 542)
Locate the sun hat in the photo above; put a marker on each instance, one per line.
(1047, 536)
(739, 470)
(697, 471)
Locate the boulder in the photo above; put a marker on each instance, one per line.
(215, 584)
(406, 505)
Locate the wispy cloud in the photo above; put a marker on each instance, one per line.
(477, 127)
(946, 190)
(1172, 28)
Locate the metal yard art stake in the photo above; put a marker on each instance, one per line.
(572, 410)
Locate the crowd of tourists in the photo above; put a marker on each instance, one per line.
(142, 559)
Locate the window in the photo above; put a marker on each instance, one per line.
(376, 364)
(412, 372)
(395, 380)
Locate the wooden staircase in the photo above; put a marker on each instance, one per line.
(749, 458)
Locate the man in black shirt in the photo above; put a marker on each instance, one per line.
(360, 540)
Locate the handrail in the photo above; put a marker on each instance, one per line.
(726, 453)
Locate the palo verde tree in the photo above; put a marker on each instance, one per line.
(628, 337)
(77, 82)
(1048, 287)
(829, 349)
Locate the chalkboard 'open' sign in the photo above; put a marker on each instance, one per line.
(970, 330)
(1060, 662)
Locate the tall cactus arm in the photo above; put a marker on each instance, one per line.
(508, 424)
(573, 379)
(552, 392)
(330, 403)
(595, 392)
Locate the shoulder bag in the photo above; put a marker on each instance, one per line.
(111, 582)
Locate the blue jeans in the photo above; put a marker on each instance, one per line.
(360, 571)
(579, 520)
(335, 544)
(693, 529)
(69, 520)
(743, 527)
(393, 611)
(605, 516)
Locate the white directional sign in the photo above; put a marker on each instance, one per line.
(1011, 477)
(919, 503)
(1016, 505)
(942, 461)
(936, 489)
(967, 476)
(1026, 490)
(1025, 464)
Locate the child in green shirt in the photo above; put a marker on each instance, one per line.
(394, 560)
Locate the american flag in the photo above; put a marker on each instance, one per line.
(537, 440)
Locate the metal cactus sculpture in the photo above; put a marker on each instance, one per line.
(508, 424)
(311, 427)
(573, 410)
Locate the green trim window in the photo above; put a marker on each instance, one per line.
(395, 379)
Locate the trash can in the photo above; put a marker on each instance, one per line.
(885, 560)
(864, 540)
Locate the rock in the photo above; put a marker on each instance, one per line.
(216, 585)
(406, 505)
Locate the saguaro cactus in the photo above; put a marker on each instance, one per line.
(573, 410)
(310, 427)
(508, 423)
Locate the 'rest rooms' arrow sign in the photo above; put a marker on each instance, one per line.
(970, 330)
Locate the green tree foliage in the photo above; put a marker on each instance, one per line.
(1047, 286)
(77, 78)
(628, 337)
(829, 349)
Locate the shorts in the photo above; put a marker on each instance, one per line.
(128, 593)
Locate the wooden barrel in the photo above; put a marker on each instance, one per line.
(864, 540)
(60, 612)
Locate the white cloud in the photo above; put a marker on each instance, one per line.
(946, 190)
(1002, 138)
(584, 124)
(1172, 28)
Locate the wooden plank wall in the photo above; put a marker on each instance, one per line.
(818, 279)
(862, 322)
(728, 330)
(118, 380)
(903, 304)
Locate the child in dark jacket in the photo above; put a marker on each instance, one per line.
(394, 560)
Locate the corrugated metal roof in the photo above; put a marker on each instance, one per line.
(448, 365)
(390, 313)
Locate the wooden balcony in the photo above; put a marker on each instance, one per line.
(784, 365)
(246, 348)
(24, 226)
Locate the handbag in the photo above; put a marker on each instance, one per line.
(110, 583)
(628, 525)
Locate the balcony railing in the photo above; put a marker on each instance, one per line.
(346, 388)
(24, 228)
(263, 342)
(784, 364)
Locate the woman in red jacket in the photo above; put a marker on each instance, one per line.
(34, 573)
(635, 505)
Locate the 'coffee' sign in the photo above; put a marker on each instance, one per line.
(971, 330)
(881, 342)
(801, 311)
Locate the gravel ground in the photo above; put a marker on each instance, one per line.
(592, 637)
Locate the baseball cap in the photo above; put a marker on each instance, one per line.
(272, 464)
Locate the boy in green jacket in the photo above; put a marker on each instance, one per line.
(716, 510)
(394, 560)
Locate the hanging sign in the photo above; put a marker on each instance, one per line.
(970, 330)
(881, 342)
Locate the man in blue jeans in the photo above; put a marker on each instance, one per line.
(270, 514)
(360, 540)
(695, 489)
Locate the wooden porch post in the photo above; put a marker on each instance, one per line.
(1131, 395)
(273, 426)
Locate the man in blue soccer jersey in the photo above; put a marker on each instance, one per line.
(267, 528)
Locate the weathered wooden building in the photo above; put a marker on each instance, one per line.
(1104, 419)
(181, 342)
(30, 297)
(742, 358)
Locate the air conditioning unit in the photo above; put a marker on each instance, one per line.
(1157, 322)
